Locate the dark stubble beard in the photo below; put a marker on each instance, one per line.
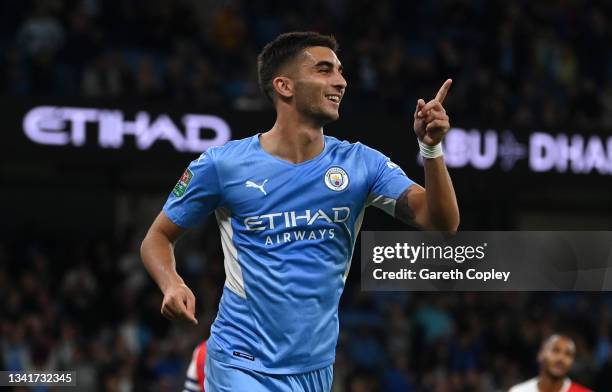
(313, 109)
(553, 376)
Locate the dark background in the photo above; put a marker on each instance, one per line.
(74, 292)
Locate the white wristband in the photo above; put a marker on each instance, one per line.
(430, 151)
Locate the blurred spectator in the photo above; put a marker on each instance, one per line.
(41, 33)
(537, 64)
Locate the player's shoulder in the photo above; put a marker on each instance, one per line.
(575, 387)
(345, 145)
(526, 386)
(230, 149)
(333, 143)
(227, 152)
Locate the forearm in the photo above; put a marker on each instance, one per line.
(442, 209)
(157, 253)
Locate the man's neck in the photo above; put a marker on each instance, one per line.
(293, 139)
(549, 384)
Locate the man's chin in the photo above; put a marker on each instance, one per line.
(333, 116)
(327, 117)
(557, 374)
(322, 115)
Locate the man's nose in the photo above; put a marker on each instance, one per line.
(340, 83)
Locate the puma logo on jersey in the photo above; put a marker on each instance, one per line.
(251, 184)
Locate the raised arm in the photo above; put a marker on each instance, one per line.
(157, 253)
(435, 206)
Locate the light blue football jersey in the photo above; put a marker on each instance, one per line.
(288, 232)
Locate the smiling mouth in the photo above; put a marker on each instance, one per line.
(559, 367)
(334, 98)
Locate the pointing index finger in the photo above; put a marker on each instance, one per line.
(444, 90)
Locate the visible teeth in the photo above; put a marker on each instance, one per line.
(333, 98)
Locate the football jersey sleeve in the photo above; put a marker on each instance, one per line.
(196, 194)
(387, 181)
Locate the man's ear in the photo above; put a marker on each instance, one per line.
(541, 357)
(283, 86)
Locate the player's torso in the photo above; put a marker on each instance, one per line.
(293, 228)
(282, 208)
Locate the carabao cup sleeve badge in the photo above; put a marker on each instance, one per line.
(181, 186)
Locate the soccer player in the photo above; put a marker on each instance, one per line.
(194, 381)
(556, 358)
(289, 204)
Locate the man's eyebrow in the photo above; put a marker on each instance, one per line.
(327, 63)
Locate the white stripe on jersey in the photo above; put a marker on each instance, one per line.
(386, 204)
(358, 222)
(233, 272)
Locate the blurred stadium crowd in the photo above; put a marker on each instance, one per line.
(540, 64)
(90, 307)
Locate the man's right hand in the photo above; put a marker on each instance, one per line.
(179, 304)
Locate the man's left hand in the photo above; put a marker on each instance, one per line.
(430, 120)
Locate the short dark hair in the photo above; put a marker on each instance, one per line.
(284, 48)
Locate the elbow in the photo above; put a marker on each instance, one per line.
(143, 247)
(153, 240)
(452, 228)
(453, 225)
(448, 224)
(146, 245)
(447, 228)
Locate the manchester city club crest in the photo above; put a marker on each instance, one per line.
(336, 178)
